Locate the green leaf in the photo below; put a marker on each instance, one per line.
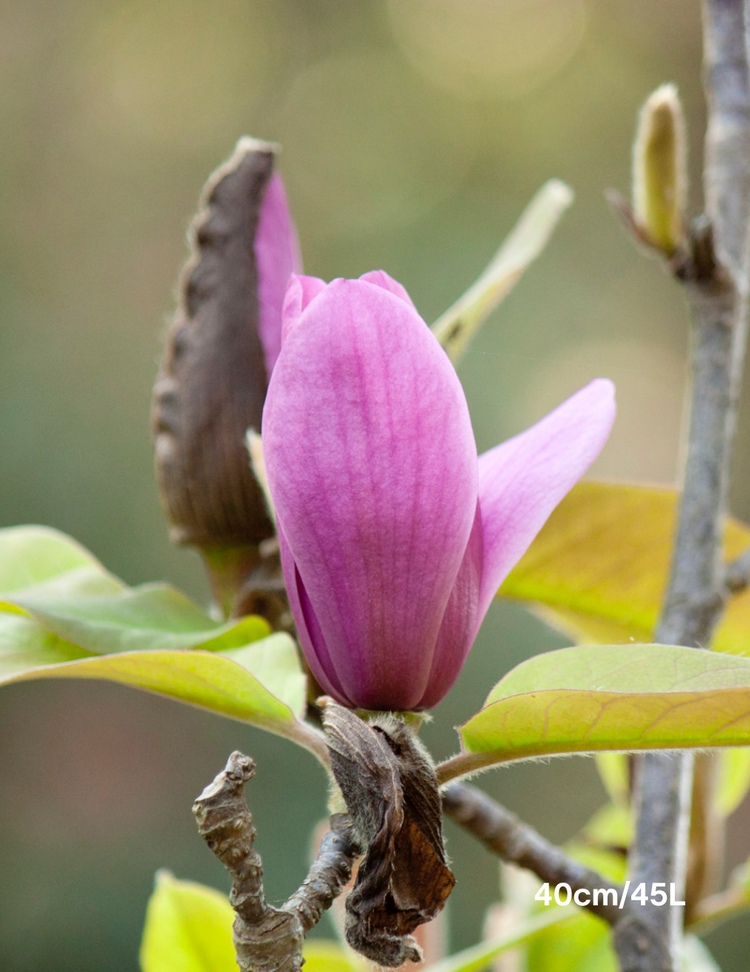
(48, 576)
(153, 617)
(31, 555)
(587, 699)
(526, 241)
(188, 929)
(326, 956)
(479, 957)
(274, 661)
(610, 826)
(24, 644)
(209, 680)
(735, 900)
(38, 559)
(598, 569)
(65, 617)
(582, 944)
(615, 775)
(734, 780)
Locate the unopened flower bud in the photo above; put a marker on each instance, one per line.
(394, 535)
(660, 171)
(221, 348)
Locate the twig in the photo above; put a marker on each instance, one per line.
(504, 834)
(647, 940)
(737, 573)
(268, 939)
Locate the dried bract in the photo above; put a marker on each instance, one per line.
(389, 786)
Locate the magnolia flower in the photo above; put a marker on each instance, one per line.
(394, 535)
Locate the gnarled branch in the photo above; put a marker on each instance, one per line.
(268, 939)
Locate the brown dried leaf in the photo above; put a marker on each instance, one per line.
(390, 789)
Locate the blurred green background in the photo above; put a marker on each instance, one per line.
(414, 132)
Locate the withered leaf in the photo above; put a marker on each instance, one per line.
(389, 786)
(213, 381)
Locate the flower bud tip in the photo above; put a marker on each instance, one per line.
(660, 170)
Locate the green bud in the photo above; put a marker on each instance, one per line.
(660, 171)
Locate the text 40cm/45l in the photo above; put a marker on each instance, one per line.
(563, 894)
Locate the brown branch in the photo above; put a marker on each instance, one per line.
(647, 940)
(268, 939)
(504, 834)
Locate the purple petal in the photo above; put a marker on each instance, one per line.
(381, 279)
(300, 292)
(308, 628)
(277, 256)
(372, 468)
(522, 480)
(460, 622)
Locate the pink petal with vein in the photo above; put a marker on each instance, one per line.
(372, 466)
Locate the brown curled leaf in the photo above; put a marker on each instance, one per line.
(212, 382)
(389, 786)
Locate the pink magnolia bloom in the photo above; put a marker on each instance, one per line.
(394, 535)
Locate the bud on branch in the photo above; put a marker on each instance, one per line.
(660, 171)
(221, 348)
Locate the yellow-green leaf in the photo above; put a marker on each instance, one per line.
(696, 957)
(610, 826)
(44, 561)
(25, 644)
(582, 944)
(63, 616)
(209, 680)
(733, 780)
(274, 661)
(615, 775)
(188, 929)
(479, 957)
(598, 569)
(152, 617)
(326, 956)
(613, 697)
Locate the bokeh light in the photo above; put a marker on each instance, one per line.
(489, 48)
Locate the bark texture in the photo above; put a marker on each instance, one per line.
(715, 276)
(268, 939)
